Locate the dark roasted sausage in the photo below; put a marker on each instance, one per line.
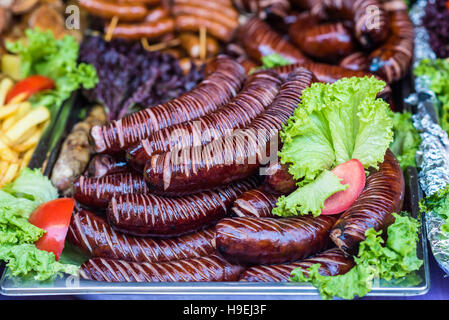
(194, 23)
(224, 79)
(255, 203)
(234, 157)
(210, 268)
(269, 240)
(355, 61)
(278, 179)
(258, 92)
(102, 164)
(107, 10)
(93, 236)
(150, 215)
(97, 192)
(151, 30)
(333, 262)
(383, 195)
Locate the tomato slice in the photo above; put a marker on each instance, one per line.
(352, 173)
(29, 86)
(54, 217)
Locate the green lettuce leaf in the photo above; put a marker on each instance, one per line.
(310, 197)
(394, 259)
(274, 60)
(439, 204)
(406, 139)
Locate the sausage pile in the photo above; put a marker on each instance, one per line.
(154, 208)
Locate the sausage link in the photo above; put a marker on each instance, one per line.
(224, 79)
(210, 268)
(226, 9)
(231, 158)
(263, 8)
(157, 13)
(150, 215)
(259, 40)
(97, 192)
(207, 13)
(102, 164)
(107, 10)
(326, 42)
(392, 60)
(355, 61)
(278, 179)
(258, 92)
(383, 195)
(94, 236)
(255, 203)
(333, 262)
(270, 240)
(191, 44)
(151, 30)
(194, 23)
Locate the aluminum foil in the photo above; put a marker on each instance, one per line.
(433, 155)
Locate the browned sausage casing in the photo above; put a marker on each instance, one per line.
(355, 61)
(150, 215)
(93, 236)
(157, 14)
(102, 164)
(278, 179)
(255, 203)
(97, 192)
(383, 195)
(231, 158)
(333, 262)
(194, 23)
(269, 240)
(210, 268)
(204, 12)
(148, 29)
(257, 93)
(224, 79)
(108, 10)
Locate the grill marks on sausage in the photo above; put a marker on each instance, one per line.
(150, 215)
(93, 235)
(222, 83)
(234, 157)
(383, 195)
(255, 203)
(333, 262)
(269, 240)
(210, 268)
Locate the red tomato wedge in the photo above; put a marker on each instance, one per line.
(54, 217)
(29, 86)
(352, 173)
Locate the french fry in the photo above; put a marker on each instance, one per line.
(5, 85)
(24, 108)
(6, 153)
(19, 98)
(30, 142)
(26, 158)
(8, 110)
(28, 134)
(36, 116)
(8, 122)
(3, 168)
(9, 174)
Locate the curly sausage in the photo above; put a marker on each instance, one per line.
(257, 93)
(93, 236)
(210, 268)
(97, 192)
(255, 203)
(270, 240)
(102, 164)
(234, 157)
(333, 262)
(157, 14)
(207, 13)
(355, 61)
(147, 29)
(224, 79)
(150, 215)
(107, 10)
(194, 23)
(278, 179)
(383, 195)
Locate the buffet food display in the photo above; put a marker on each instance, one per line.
(239, 141)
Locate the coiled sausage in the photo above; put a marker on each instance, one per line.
(93, 236)
(333, 262)
(150, 215)
(107, 10)
(278, 179)
(234, 157)
(102, 164)
(210, 268)
(269, 240)
(204, 12)
(255, 203)
(383, 195)
(224, 79)
(194, 23)
(147, 29)
(355, 61)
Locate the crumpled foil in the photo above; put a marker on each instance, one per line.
(433, 155)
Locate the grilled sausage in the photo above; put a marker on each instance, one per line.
(225, 8)
(383, 195)
(355, 61)
(210, 268)
(258, 92)
(259, 40)
(93, 236)
(194, 23)
(392, 60)
(224, 79)
(102, 164)
(191, 44)
(151, 30)
(234, 157)
(333, 262)
(278, 179)
(269, 240)
(255, 203)
(149, 215)
(326, 42)
(207, 13)
(97, 192)
(157, 13)
(107, 10)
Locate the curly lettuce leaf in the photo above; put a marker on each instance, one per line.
(439, 204)
(309, 198)
(274, 60)
(394, 259)
(406, 139)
